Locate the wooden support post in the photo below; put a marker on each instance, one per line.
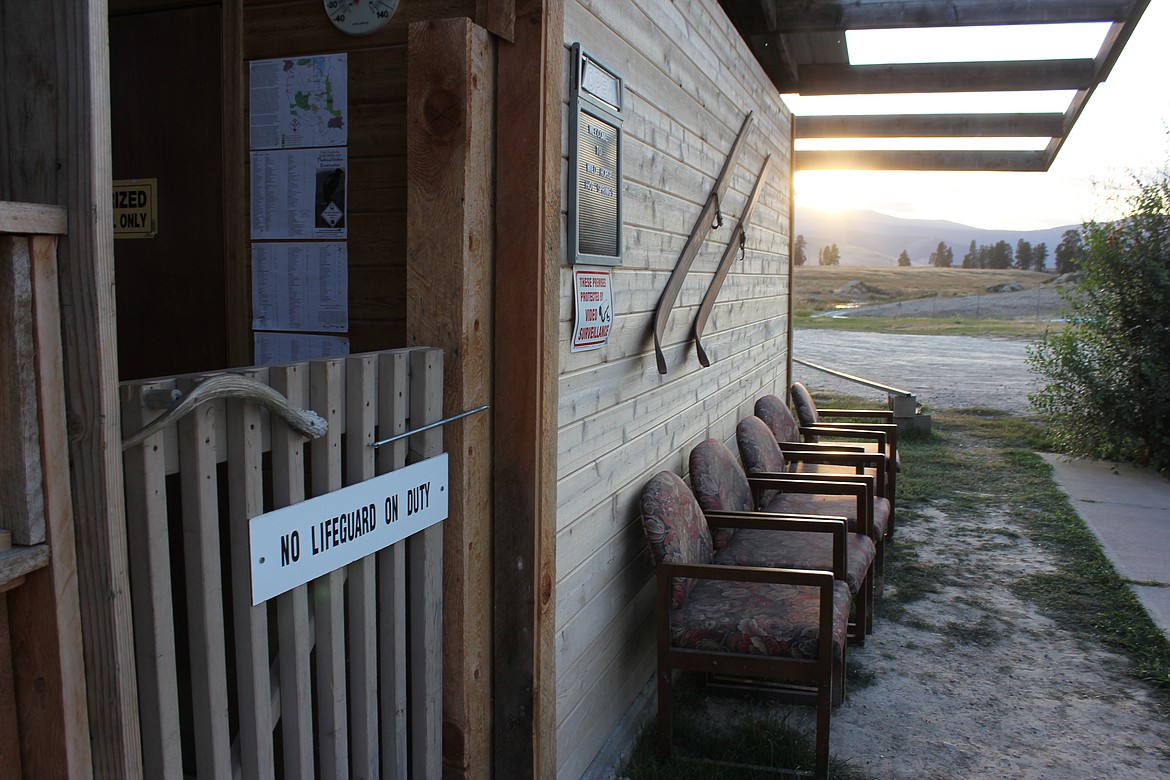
(449, 280)
(528, 266)
(56, 149)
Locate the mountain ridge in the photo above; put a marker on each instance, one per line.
(876, 239)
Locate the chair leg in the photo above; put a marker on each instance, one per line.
(824, 707)
(664, 715)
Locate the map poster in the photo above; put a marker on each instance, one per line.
(300, 287)
(298, 102)
(593, 308)
(299, 194)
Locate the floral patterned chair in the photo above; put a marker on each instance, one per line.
(880, 436)
(779, 490)
(806, 542)
(782, 624)
(820, 457)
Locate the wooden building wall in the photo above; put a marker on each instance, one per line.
(689, 80)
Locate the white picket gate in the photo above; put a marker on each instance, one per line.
(337, 678)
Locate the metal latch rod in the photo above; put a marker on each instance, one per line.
(435, 424)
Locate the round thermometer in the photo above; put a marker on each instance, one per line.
(360, 17)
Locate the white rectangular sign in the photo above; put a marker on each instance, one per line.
(302, 542)
(593, 308)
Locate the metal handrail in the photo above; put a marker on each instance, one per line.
(867, 382)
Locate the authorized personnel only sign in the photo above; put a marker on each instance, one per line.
(135, 208)
(593, 306)
(302, 542)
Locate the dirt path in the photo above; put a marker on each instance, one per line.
(943, 371)
(972, 682)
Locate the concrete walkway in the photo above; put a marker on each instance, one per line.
(1129, 511)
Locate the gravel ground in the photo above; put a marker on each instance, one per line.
(943, 371)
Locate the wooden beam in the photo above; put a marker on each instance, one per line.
(450, 155)
(944, 77)
(237, 282)
(879, 160)
(528, 257)
(1050, 125)
(803, 16)
(55, 106)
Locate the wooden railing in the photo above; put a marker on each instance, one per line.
(44, 731)
(337, 678)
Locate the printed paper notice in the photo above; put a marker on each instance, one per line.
(299, 194)
(300, 287)
(593, 305)
(275, 348)
(298, 102)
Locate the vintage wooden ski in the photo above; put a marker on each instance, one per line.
(710, 217)
(734, 246)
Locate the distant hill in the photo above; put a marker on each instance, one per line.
(870, 238)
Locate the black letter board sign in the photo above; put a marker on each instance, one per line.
(595, 163)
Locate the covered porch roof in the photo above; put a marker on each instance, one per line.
(802, 46)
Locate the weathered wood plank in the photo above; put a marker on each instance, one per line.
(426, 581)
(449, 283)
(326, 395)
(33, 219)
(530, 122)
(204, 574)
(246, 500)
(361, 586)
(292, 608)
(393, 407)
(150, 579)
(20, 450)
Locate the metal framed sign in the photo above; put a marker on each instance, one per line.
(595, 162)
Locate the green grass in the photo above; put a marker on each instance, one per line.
(753, 743)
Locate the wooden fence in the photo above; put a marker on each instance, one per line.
(337, 678)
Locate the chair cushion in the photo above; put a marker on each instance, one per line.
(816, 504)
(759, 450)
(798, 550)
(776, 415)
(675, 528)
(806, 408)
(719, 483)
(780, 621)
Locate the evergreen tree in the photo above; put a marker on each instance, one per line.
(1000, 256)
(1069, 252)
(971, 259)
(942, 256)
(799, 258)
(829, 255)
(1024, 255)
(904, 259)
(1039, 256)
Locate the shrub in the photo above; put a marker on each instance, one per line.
(1107, 391)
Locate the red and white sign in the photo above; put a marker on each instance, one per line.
(593, 308)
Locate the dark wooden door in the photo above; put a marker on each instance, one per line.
(166, 99)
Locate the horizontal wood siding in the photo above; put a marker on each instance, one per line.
(689, 82)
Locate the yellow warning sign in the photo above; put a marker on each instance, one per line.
(135, 208)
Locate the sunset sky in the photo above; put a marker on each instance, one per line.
(1124, 129)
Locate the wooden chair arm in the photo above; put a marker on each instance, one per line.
(876, 414)
(812, 446)
(782, 521)
(835, 430)
(714, 571)
(856, 460)
(863, 487)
